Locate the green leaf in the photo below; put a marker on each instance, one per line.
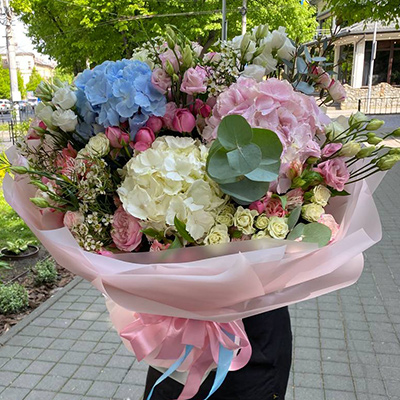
(153, 233)
(317, 233)
(234, 131)
(265, 172)
(245, 159)
(245, 191)
(181, 228)
(296, 232)
(283, 201)
(301, 66)
(237, 234)
(269, 143)
(294, 217)
(218, 166)
(335, 192)
(176, 244)
(304, 88)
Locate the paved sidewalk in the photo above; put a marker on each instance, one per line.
(346, 344)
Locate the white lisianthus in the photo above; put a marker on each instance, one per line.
(143, 56)
(44, 113)
(262, 221)
(244, 220)
(218, 234)
(287, 51)
(276, 39)
(267, 60)
(350, 149)
(168, 180)
(278, 227)
(260, 235)
(321, 195)
(333, 130)
(66, 120)
(312, 212)
(254, 71)
(98, 146)
(64, 98)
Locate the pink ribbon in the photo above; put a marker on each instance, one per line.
(158, 337)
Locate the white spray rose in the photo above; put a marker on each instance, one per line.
(278, 227)
(321, 195)
(244, 220)
(262, 221)
(64, 98)
(218, 234)
(260, 235)
(98, 145)
(312, 212)
(66, 120)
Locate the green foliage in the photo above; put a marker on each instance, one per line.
(34, 80)
(181, 228)
(5, 83)
(242, 160)
(81, 31)
(13, 298)
(62, 75)
(17, 246)
(352, 11)
(312, 233)
(45, 272)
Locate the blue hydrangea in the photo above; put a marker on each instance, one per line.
(118, 91)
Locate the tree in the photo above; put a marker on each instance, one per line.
(34, 80)
(81, 31)
(352, 11)
(5, 84)
(62, 75)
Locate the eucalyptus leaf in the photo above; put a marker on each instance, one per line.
(218, 166)
(319, 59)
(234, 131)
(307, 54)
(269, 143)
(294, 217)
(317, 233)
(296, 232)
(245, 191)
(304, 88)
(262, 174)
(301, 66)
(245, 159)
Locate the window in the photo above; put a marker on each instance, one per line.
(346, 63)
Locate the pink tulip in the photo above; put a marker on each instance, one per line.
(117, 137)
(183, 121)
(144, 138)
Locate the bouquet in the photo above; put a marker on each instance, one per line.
(197, 188)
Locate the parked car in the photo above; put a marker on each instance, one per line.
(5, 106)
(33, 101)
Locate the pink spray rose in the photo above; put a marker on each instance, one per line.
(126, 230)
(258, 205)
(295, 198)
(155, 123)
(194, 81)
(335, 173)
(170, 110)
(273, 208)
(170, 56)
(73, 219)
(117, 137)
(200, 108)
(144, 138)
(337, 91)
(331, 149)
(329, 221)
(183, 121)
(161, 80)
(157, 246)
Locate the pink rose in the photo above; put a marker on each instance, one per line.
(199, 107)
(330, 149)
(184, 121)
(73, 219)
(126, 230)
(194, 81)
(117, 137)
(273, 208)
(170, 110)
(144, 138)
(170, 56)
(258, 205)
(157, 246)
(161, 80)
(155, 123)
(337, 91)
(322, 78)
(295, 198)
(334, 172)
(329, 221)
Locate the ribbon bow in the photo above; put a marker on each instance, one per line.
(193, 345)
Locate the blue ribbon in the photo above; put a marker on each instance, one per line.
(225, 357)
(171, 369)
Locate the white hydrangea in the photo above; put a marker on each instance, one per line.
(168, 180)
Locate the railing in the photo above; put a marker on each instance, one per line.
(14, 127)
(380, 105)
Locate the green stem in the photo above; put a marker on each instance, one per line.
(363, 177)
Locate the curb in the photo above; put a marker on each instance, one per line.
(38, 311)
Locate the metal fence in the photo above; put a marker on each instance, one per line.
(380, 105)
(14, 125)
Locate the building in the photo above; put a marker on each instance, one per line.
(26, 61)
(354, 46)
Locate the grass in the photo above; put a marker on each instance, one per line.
(12, 227)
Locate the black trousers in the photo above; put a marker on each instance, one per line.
(266, 375)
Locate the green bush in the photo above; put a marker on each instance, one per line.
(13, 298)
(45, 272)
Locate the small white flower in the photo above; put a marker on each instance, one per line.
(218, 234)
(244, 220)
(278, 227)
(262, 221)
